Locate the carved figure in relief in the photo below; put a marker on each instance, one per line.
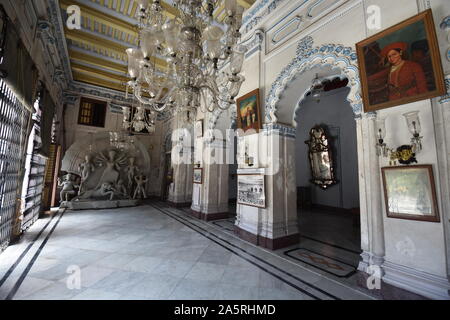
(121, 189)
(85, 168)
(68, 188)
(140, 186)
(112, 164)
(131, 171)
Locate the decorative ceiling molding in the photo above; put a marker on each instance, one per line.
(60, 43)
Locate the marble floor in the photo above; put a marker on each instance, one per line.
(153, 252)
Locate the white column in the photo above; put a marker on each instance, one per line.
(275, 226)
(372, 230)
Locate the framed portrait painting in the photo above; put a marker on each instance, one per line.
(251, 190)
(409, 193)
(401, 64)
(248, 111)
(198, 175)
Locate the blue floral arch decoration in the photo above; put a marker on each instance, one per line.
(307, 57)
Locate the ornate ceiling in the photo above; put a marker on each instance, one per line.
(108, 27)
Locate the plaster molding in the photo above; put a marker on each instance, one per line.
(279, 129)
(446, 97)
(445, 23)
(55, 19)
(416, 281)
(257, 12)
(334, 55)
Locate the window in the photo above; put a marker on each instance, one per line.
(92, 112)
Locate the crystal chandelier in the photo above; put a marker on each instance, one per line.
(139, 119)
(194, 47)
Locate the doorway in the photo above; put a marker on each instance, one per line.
(329, 217)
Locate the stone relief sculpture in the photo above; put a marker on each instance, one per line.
(68, 188)
(107, 173)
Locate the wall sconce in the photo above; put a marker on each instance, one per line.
(405, 154)
(248, 160)
(413, 123)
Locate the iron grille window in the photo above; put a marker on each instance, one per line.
(14, 123)
(92, 112)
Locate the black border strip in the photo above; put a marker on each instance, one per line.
(19, 281)
(250, 254)
(225, 228)
(331, 245)
(19, 259)
(348, 275)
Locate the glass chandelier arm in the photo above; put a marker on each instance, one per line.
(159, 109)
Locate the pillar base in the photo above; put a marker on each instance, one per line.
(386, 291)
(179, 204)
(272, 244)
(210, 216)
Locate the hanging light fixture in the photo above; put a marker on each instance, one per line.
(316, 88)
(191, 46)
(138, 119)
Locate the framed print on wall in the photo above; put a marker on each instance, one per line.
(248, 111)
(401, 64)
(251, 190)
(409, 193)
(198, 175)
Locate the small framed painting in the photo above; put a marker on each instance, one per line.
(198, 175)
(251, 190)
(401, 64)
(409, 193)
(248, 112)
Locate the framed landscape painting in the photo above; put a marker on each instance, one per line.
(409, 193)
(248, 111)
(251, 190)
(401, 64)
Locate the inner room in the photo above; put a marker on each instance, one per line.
(224, 150)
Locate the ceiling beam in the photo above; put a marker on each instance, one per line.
(83, 77)
(102, 17)
(95, 60)
(78, 66)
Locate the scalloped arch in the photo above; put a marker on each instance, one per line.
(336, 56)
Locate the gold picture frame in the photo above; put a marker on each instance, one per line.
(410, 193)
(248, 112)
(401, 64)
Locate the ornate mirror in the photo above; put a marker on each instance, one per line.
(320, 158)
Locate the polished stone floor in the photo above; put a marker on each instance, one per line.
(153, 252)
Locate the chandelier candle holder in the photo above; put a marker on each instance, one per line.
(405, 154)
(176, 66)
(141, 119)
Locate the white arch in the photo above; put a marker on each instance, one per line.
(336, 56)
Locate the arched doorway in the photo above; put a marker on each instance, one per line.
(328, 215)
(280, 128)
